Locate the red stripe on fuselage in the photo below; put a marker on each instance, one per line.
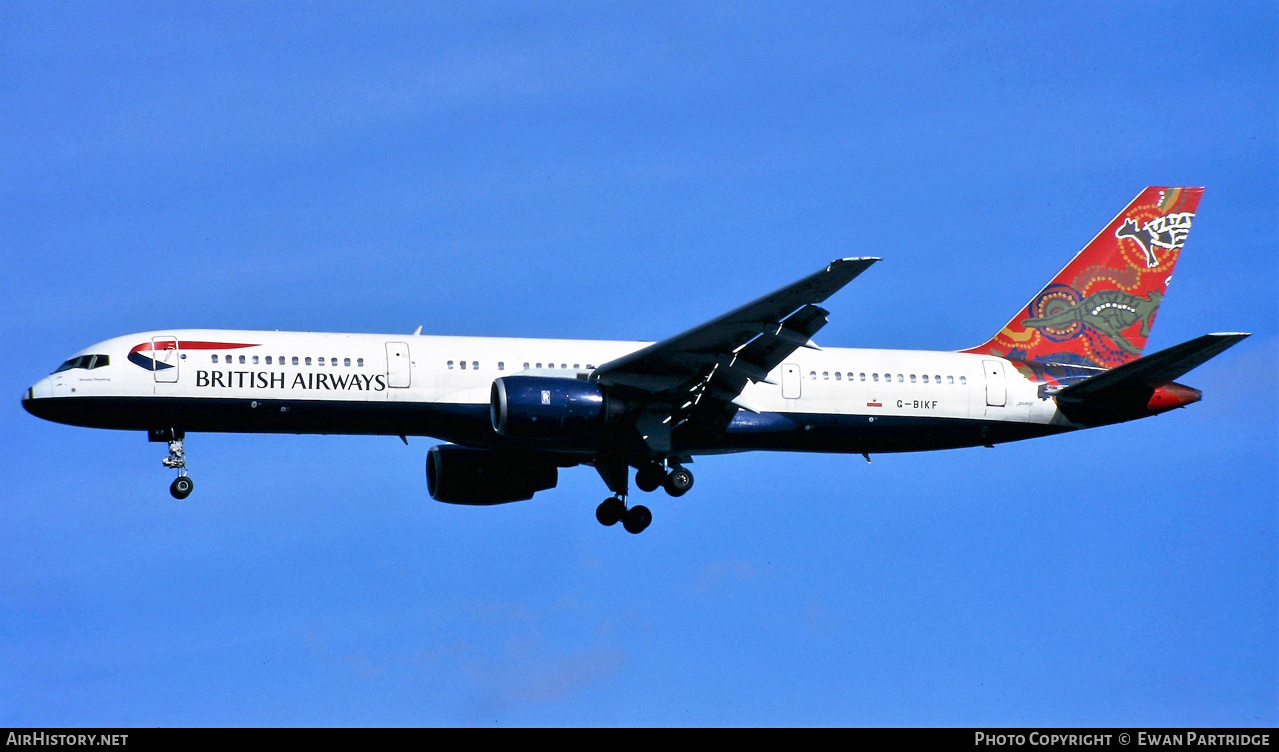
(192, 345)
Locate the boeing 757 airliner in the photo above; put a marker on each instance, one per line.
(515, 411)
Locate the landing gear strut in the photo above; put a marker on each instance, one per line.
(182, 486)
(613, 509)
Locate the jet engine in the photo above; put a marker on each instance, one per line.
(538, 407)
(480, 477)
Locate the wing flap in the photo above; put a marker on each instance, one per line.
(760, 334)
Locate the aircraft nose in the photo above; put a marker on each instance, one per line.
(42, 388)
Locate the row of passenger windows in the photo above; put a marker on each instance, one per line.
(88, 362)
(244, 360)
(888, 377)
(501, 365)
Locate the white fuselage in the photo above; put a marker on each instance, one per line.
(291, 370)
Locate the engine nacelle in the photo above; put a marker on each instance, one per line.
(538, 407)
(479, 477)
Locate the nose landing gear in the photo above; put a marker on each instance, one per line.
(182, 486)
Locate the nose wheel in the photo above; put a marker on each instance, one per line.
(182, 486)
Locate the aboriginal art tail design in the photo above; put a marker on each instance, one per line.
(1098, 311)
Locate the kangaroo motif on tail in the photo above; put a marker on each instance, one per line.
(1098, 310)
(1167, 232)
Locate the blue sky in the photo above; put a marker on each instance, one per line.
(619, 170)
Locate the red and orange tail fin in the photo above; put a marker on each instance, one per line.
(1099, 309)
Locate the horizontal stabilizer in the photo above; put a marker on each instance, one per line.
(1153, 370)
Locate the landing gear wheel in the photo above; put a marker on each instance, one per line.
(610, 511)
(637, 519)
(678, 481)
(181, 487)
(649, 477)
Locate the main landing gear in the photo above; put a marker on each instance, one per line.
(182, 486)
(677, 481)
(649, 476)
(613, 510)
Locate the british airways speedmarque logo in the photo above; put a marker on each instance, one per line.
(142, 355)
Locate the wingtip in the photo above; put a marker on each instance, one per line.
(862, 262)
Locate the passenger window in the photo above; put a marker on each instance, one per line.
(912, 378)
(461, 364)
(501, 365)
(550, 365)
(308, 361)
(268, 360)
(925, 378)
(950, 379)
(563, 365)
(875, 377)
(295, 360)
(359, 362)
(450, 365)
(215, 358)
(861, 377)
(333, 361)
(241, 360)
(812, 375)
(963, 379)
(346, 362)
(900, 378)
(590, 367)
(576, 366)
(255, 360)
(539, 365)
(526, 366)
(321, 361)
(475, 365)
(936, 379)
(825, 375)
(837, 375)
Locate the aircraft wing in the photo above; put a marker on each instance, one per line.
(707, 367)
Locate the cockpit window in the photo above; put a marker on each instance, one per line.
(86, 362)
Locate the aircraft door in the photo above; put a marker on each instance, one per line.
(164, 359)
(996, 387)
(399, 369)
(791, 381)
